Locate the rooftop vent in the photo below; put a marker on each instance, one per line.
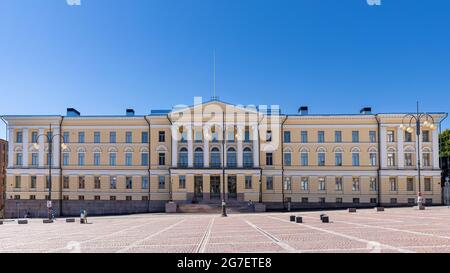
(72, 112)
(303, 110)
(366, 111)
(130, 112)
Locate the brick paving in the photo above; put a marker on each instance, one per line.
(394, 230)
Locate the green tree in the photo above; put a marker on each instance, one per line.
(444, 138)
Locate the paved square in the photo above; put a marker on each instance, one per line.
(394, 230)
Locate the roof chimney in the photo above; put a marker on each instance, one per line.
(130, 113)
(72, 112)
(366, 110)
(303, 110)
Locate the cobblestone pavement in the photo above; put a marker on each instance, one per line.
(394, 230)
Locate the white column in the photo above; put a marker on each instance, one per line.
(42, 140)
(174, 148)
(240, 161)
(420, 149)
(25, 147)
(255, 139)
(435, 139)
(400, 149)
(206, 152)
(11, 154)
(383, 147)
(190, 148)
(56, 147)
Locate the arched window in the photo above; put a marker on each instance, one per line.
(355, 157)
(409, 156)
(373, 156)
(19, 157)
(338, 156)
(321, 157)
(97, 154)
(215, 158)
(391, 158)
(81, 157)
(231, 158)
(183, 158)
(304, 157)
(426, 157)
(112, 157)
(287, 157)
(198, 158)
(248, 158)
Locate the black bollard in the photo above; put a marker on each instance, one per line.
(325, 219)
(292, 218)
(299, 219)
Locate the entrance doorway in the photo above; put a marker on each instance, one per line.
(198, 187)
(215, 187)
(232, 194)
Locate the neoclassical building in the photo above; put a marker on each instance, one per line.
(212, 151)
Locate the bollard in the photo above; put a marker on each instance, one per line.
(70, 220)
(352, 210)
(325, 219)
(322, 215)
(22, 222)
(1, 222)
(292, 218)
(47, 221)
(298, 219)
(379, 208)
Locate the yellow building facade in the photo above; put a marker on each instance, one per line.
(213, 151)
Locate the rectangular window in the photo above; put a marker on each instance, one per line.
(373, 200)
(80, 159)
(162, 136)
(393, 200)
(321, 159)
(428, 201)
(128, 182)
(338, 183)
(19, 137)
(81, 182)
(128, 159)
(304, 185)
(305, 200)
(65, 182)
(321, 136)
(393, 182)
(410, 184)
(34, 159)
(426, 159)
(112, 137)
(113, 182)
(339, 200)
(17, 197)
(161, 182)
(80, 137)
(287, 158)
(337, 136)
(304, 159)
(65, 197)
(355, 184)
(65, 159)
(97, 183)
(34, 137)
(112, 198)
(355, 159)
(269, 136)
(32, 197)
(144, 181)
(97, 197)
(162, 159)
(304, 136)
(426, 136)
(373, 159)
(247, 134)
(96, 159)
(144, 159)
(269, 182)
(408, 137)
(128, 198)
(355, 136)
(373, 184)
(373, 136)
(144, 137)
(248, 182)
(198, 136)
(408, 159)
(355, 200)
(269, 159)
(33, 182)
(96, 137)
(338, 159)
(19, 158)
(128, 137)
(49, 137)
(427, 182)
(287, 137)
(391, 159)
(390, 136)
(144, 198)
(322, 184)
(81, 197)
(411, 201)
(287, 184)
(322, 200)
(230, 136)
(66, 137)
(182, 182)
(112, 159)
(17, 182)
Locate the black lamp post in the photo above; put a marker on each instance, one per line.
(420, 120)
(49, 138)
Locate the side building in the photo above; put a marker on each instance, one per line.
(213, 151)
(3, 160)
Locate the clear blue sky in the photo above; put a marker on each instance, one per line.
(335, 56)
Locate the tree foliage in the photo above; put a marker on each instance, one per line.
(444, 138)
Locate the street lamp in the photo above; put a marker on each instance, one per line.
(421, 120)
(49, 138)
